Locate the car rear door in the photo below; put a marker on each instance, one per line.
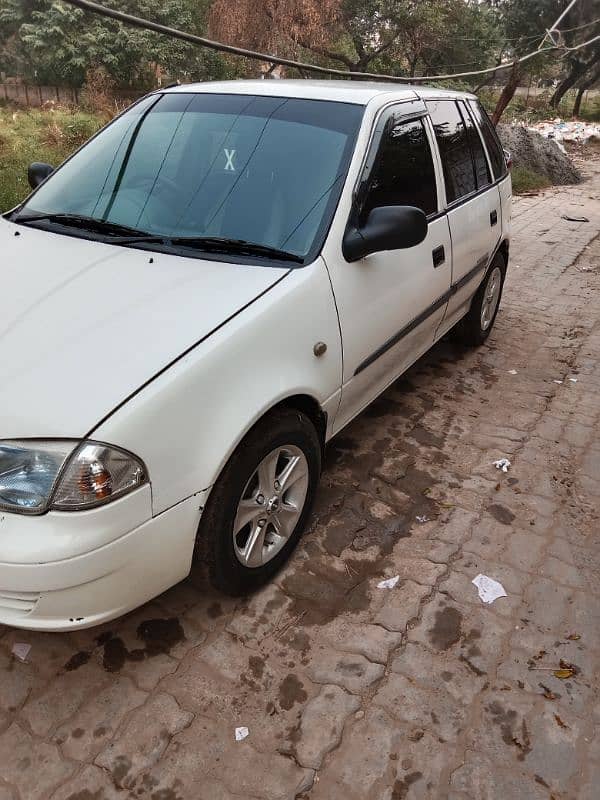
(472, 201)
(391, 303)
(497, 160)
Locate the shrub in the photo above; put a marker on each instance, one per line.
(527, 180)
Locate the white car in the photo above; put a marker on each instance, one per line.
(199, 299)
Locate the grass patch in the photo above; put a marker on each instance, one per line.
(527, 180)
(37, 135)
(537, 107)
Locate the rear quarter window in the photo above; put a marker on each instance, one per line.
(480, 164)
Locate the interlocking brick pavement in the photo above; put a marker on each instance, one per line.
(355, 692)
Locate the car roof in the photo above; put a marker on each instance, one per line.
(341, 91)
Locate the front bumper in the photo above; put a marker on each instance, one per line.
(60, 589)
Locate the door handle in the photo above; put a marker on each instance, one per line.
(439, 255)
(493, 217)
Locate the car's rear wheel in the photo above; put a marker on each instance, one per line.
(476, 325)
(258, 508)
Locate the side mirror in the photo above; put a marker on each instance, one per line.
(37, 172)
(386, 228)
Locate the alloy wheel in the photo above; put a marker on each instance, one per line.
(270, 506)
(491, 297)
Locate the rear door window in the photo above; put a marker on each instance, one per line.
(490, 137)
(480, 164)
(455, 150)
(403, 173)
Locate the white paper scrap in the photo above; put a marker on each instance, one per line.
(21, 650)
(422, 519)
(503, 464)
(555, 381)
(389, 583)
(512, 371)
(573, 380)
(241, 733)
(489, 589)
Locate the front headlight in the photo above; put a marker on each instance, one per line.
(36, 476)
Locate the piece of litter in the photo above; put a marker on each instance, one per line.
(422, 519)
(389, 583)
(503, 464)
(575, 219)
(573, 380)
(21, 650)
(564, 674)
(512, 371)
(489, 589)
(555, 381)
(241, 733)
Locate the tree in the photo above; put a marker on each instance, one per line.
(582, 89)
(401, 37)
(271, 26)
(523, 24)
(52, 42)
(581, 65)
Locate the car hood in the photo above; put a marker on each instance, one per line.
(84, 324)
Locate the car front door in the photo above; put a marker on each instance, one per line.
(472, 201)
(391, 303)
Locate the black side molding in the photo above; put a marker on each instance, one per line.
(480, 266)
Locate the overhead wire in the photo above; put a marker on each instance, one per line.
(138, 22)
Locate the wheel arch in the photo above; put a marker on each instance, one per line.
(503, 249)
(305, 403)
(309, 406)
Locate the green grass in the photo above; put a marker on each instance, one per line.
(28, 135)
(538, 107)
(527, 180)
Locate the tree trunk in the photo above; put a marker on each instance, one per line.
(577, 70)
(583, 87)
(507, 94)
(577, 105)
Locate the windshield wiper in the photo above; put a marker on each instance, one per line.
(215, 244)
(124, 235)
(83, 222)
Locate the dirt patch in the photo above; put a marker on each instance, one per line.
(159, 636)
(291, 691)
(446, 629)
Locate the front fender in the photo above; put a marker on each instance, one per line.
(186, 423)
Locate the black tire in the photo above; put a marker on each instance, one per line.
(469, 330)
(214, 541)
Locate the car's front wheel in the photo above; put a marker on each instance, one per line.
(260, 504)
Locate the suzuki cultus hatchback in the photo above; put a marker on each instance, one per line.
(199, 299)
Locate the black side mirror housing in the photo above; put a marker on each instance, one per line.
(386, 228)
(37, 173)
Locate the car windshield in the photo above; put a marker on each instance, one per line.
(265, 170)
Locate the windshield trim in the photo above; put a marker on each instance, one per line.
(320, 234)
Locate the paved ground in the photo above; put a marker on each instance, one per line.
(355, 692)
